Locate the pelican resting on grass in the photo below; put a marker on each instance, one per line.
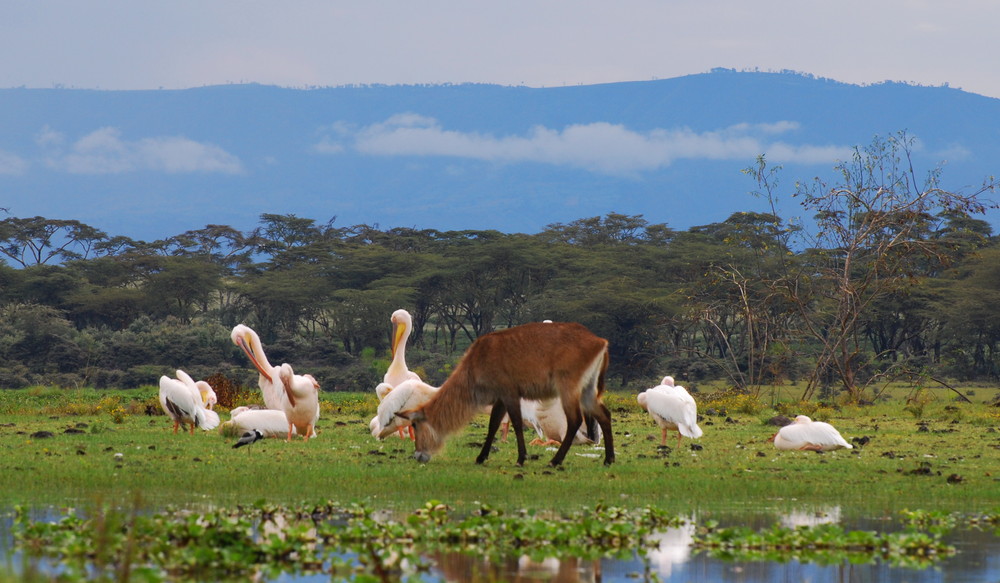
(805, 434)
(672, 408)
(269, 422)
(181, 400)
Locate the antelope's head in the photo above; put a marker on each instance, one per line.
(426, 438)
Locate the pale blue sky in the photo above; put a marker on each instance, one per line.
(143, 44)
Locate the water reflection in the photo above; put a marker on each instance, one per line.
(811, 517)
(671, 558)
(673, 549)
(474, 569)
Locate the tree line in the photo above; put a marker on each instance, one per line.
(893, 276)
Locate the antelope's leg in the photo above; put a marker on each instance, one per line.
(603, 417)
(514, 412)
(495, 416)
(574, 418)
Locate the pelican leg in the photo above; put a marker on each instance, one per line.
(176, 424)
(663, 441)
(678, 439)
(412, 436)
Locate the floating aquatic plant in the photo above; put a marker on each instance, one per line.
(823, 544)
(226, 544)
(359, 543)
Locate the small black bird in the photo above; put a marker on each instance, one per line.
(248, 438)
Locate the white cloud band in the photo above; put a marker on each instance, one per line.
(599, 147)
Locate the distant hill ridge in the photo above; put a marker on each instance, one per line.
(150, 164)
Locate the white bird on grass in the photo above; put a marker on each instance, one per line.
(805, 434)
(672, 408)
(407, 396)
(181, 400)
(301, 403)
(269, 422)
(549, 420)
(402, 325)
(270, 385)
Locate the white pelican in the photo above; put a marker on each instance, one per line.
(270, 384)
(208, 396)
(204, 394)
(269, 422)
(375, 425)
(408, 395)
(301, 403)
(182, 403)
(672, 408)
(402, 325)
(806, 434)
(549, 420)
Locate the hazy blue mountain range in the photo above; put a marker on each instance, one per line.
(151, 164)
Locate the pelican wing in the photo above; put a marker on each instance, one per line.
(408, 395)
(177, 400)
(675, 407)
(209, 419)
(825, 436)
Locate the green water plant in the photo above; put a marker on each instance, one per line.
(824, 544)
(246, 541)
(360, 543)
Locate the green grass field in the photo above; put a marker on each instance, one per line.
(933, 453)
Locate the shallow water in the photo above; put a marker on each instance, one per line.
(977, 559)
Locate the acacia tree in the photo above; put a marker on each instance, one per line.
(37, 240)
(871, 239)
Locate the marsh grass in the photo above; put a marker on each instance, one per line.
(113, 455)
(947, 460)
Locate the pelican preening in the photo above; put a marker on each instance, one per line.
(805, 434)
(181, 399)
(283, 390)
(407, 396)
(301, 404)
(270, 384)
(402, 325)
(672, 408)
(208, 396)
(375, 425)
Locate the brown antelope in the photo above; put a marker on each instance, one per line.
(533, 361)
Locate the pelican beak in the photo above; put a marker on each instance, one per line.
(397, 335)
(245, 345)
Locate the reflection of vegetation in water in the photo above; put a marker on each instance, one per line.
(937, 521)
(824, 544)
(357, 542)
(222, 544)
